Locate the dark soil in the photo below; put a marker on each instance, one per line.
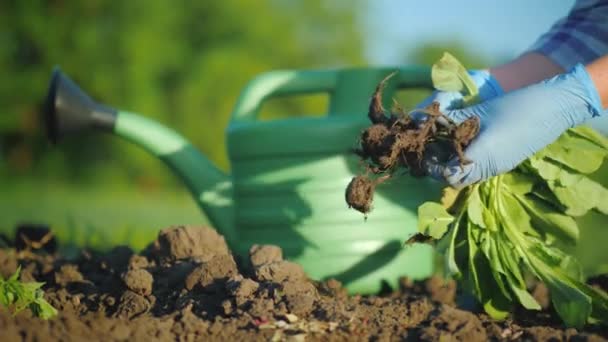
(188, 286)
(397, 141)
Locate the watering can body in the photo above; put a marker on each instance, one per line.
(289, 176)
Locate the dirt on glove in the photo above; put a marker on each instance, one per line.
(396, 142)
(188, 286)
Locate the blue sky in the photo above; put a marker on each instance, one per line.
(497, 29)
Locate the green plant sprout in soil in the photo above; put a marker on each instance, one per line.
(16, 296)
(494, 233)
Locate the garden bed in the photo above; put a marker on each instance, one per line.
(187, 285)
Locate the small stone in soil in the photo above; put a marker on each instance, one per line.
(208, 275)
(183, 242)
(139, 281)
(243, 288)
(280, 271)
(68, 274)
(131, 305)
(264, 254)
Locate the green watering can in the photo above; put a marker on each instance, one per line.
(288, 176)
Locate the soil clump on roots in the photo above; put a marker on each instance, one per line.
(397, 141)
(188, 286)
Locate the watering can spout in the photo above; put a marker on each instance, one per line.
(68, 110)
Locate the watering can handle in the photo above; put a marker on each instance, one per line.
(349, 89)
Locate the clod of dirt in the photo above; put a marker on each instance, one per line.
(139, 281)
(280, 271)
(68, 274)
(463, 135)
(212, 274)
(300, 296)
(441, 290)
(35, 237)
(116, 260)
(264, 254)
(138, 261)
(183, 242)
(395, 141)
(333, 288)
(453, 325)
(360, 194)
(242, 289)
(132, 304)
(8, 263)
(542, 295)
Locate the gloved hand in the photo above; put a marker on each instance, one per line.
(485, 82)
(515, 126)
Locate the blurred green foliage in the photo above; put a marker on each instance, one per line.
(182, 63)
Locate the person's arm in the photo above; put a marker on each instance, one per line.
(527, 69)
(598, 71)
(579, 37)
(522, 122)
(533, 67)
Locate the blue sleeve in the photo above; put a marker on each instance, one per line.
(580, 37)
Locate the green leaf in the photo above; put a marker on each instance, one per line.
(433, 219)
(546, 169)
(577, 154)
(590, 134)
(571, 298)
(571, 303)
(13, 278)
(508, 224)
(524, 297)
(475, 259)
(567, 178)
(516, 282)
(494, 254)
(581, 196)
(475, 209)
(18, 296)
(497, 307)
(543, 192)
(518, 182)
(547, 218)
(457, 250)
(497, 269)
(448, 74)
(513, 212)
(511, 259)
(571, 267)
(483, 279)
(41, 308)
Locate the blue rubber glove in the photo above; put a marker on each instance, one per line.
(515, 126)
(485, 82)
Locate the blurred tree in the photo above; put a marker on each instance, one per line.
(430, 53)
(181, 62)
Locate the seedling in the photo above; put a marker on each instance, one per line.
(16, 296)
(513, 223)
(495, 231)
